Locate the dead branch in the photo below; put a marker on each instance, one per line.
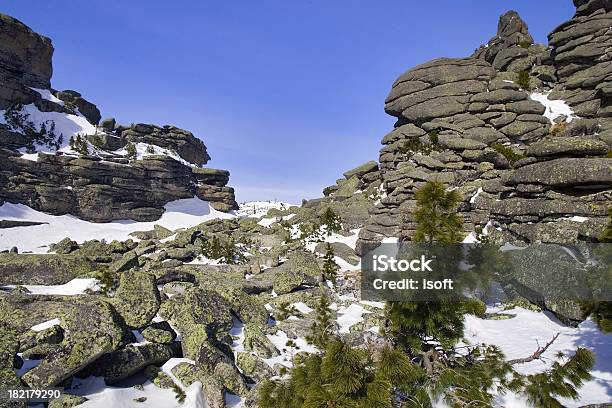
(536, 355)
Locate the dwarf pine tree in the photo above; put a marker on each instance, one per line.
(428, 331)
(322, 329)
(331, 220)
(130, 149)
(330, 267)
(340, 377)
(412, 322)
(436, 215)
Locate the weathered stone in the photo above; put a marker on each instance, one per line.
(570, 146)
(91, 329)
(137, 298)
(361, 170)
(49, 269)
(458, 143)
(67, 401)
(566, 172)
(121, 364)
(340, 250)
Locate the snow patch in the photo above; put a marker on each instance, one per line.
(350, 316)
(258, 209)
(46, 94)
(554, 108)
(78, 286)
(45, 325)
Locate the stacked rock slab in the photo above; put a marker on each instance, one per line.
(104, 186)
(474, 124)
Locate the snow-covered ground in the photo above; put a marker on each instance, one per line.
(182, 213)
(77, 286)
(100, 395)
(520, 336)
(258, 209)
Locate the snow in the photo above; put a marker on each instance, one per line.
(470, 238)
(76, 286)
(577, 218)
(45, 325)
(173, 362)
(266, 222)
(46, 94)
(279, 339)
(520, 336)
(302, 307)
(145, 149)
(182, 213)
(66, 124)
(258, 209)
(28, 156)
(475, 196)
(378, 305)
(554, 108)
(100, 395)
(350, 316)
(237, 332)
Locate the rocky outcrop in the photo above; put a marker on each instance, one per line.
(25, 61)
(484, 125)
(96, 181)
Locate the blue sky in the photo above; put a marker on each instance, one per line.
(287, 95)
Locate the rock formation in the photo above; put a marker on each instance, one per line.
(97, 180)
(522, 130)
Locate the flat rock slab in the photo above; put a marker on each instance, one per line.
(566, 172)
(47, 269)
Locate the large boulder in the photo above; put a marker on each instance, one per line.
(568, 146)
(92, 328)
(49, 269)
(137, 298)
(121, 364)
(566, 172)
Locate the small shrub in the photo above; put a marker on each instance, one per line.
(331, 220)
(507, 152)
(179, 393)
(524, 80)
(80, 145)
(96, 141)
(150, 149)
(131, 150)
(414, 145)
(557, 128)
(433, 137)
(45, 135)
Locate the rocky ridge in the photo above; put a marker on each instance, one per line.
(522, 130)
(95, 178)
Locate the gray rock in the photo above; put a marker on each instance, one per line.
(137, 298)
(566, 172)
(569, 146)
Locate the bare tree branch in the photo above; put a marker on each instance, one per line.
(536, 355)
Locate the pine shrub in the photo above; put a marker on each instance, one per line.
(507, 152)
(330, 267)
(524, 80)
